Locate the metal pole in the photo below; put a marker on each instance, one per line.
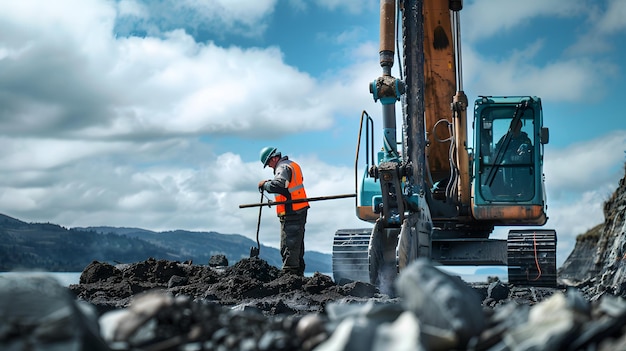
(310, 199)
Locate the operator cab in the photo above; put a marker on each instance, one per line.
(508, 164)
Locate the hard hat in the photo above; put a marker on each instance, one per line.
(267, 153)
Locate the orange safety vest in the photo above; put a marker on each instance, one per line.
(296, 189)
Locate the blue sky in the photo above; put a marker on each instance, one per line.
(151, 114)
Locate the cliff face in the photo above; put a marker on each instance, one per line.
(581, 263)
(599, 257)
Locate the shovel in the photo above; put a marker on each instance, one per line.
(254, 251)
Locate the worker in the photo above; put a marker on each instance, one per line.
(518, 178)
(519, 148)
(287, 185)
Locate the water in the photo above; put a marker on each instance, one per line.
(68, 278)
(64, 278)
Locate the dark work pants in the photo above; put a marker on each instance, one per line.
(292, 241)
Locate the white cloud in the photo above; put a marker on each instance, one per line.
(521, 68)
(558, 80)
(46, 154)
(245, 10)
(129, 85)
(485, 18)
(604, 25)
(100, 139)
(132, 8)
(166, 198)
(108, 134)
(579, 179)
(613, 19)
(351, 6)
(585, 165)
(242, 17)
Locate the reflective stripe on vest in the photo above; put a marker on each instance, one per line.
(296, 190)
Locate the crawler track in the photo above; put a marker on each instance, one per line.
(532, 257)
(351, 255)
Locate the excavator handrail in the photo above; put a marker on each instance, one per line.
(370, 121)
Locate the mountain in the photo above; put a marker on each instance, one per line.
(46, 246)
(202, 245)
(196, 246)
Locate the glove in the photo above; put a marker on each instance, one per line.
(262, 185)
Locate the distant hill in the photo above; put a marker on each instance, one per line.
(50, 247)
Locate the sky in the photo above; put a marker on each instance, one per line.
(151, 114)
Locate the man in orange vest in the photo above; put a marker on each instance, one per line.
(287, 185)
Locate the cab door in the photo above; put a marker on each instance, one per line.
(508, 175)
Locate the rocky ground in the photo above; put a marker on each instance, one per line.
(165, 305)
(250, 283)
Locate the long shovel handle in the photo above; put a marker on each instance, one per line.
(258, 224)
(309, 199)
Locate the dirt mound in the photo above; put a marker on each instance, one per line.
(251, 282)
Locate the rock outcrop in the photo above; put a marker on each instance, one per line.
(598, 262)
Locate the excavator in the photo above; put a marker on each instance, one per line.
(430, 194)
